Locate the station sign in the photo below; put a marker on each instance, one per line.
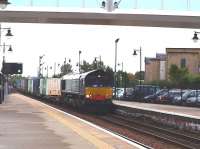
(12, 68)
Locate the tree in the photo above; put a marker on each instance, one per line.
(13, 79)
(98, 65)
(178, 76)
(137, 75)
(85, 67)
(131, 81)
(66, 69)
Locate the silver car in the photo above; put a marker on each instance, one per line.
(189, 94)
(193, 100)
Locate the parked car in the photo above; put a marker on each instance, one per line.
(178, 98)
(153, 97)
(129, 94)
(140, 91)
(193, 100)
(170, 96)
(188, 94)
(119, 92)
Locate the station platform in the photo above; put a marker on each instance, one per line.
(190, 112)
(26, 123)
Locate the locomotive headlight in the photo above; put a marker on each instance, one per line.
(87, 96)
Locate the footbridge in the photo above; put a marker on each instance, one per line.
(159, 13)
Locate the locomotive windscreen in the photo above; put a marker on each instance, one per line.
(99, 79)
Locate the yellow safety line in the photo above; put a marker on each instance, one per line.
(83, 133)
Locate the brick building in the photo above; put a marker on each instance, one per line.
(158, 68)
(155, 68)
(184, 58)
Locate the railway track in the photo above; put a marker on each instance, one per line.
(182, 140)
(117, 121)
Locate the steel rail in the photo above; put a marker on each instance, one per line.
(164, 134)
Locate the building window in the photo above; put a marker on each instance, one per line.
(183, 63)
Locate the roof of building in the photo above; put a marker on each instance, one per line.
(182, 50)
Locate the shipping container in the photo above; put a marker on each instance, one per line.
(50, 86)
(17, 84)
(24, 85)
(36, 84)
(43, 86)
(53, 86)
(30, 85)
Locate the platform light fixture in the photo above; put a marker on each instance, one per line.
(195, 37)
(134, 54)
(109, 5)
(4, 3)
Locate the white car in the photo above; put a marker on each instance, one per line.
(193, 100)
(188, 94)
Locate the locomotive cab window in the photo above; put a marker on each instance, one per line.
(98, 80)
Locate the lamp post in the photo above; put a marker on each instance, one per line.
(47, 69)
(40, 65)
(95, 59)
(115, 75)
(135, 53)
(122, 64)
(121, 76)
(79, 61)
(4, 49)
(8, 34)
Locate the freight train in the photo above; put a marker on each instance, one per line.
(90, 90)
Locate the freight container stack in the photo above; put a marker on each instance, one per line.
(50, 86)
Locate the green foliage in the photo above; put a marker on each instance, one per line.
(13, 78)
(162, 83)
(181, 78)
(178, 76)
(65, 69)
(85, 67)
(137, 75)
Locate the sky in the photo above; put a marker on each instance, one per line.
(60, 41)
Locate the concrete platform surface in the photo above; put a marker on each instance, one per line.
(29, 124)
(190, 112)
